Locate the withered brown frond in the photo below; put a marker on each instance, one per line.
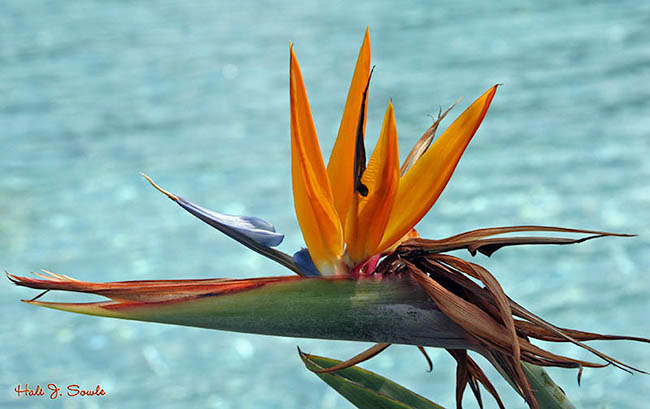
(425, 140)
(473, 298)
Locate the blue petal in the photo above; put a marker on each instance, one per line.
(253, 228)
(253, 232)
(306, 265)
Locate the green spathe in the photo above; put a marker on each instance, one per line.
(388, 309)
(383, 309)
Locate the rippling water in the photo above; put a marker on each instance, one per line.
(196, 95)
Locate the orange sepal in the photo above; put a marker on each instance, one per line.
(382, 179)
(421, 186)
(312, 193)
(340, 168)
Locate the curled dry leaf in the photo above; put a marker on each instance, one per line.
(473, 298)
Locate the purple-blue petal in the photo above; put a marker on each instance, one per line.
(253, 232)
(253, 228)
(305, 263)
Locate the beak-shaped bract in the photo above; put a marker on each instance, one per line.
(342, 227)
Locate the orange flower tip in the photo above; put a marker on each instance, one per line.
(341, 162)
(161, 190)
(493, 91)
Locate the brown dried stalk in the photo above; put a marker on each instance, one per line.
(473, 298)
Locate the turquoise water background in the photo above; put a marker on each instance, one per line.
(196, 95)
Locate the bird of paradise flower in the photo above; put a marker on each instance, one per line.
(365, 274)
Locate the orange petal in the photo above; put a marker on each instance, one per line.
(421, 186)
(411, 234)
(382, 179)
(352, 239)
(340, 168)
(312, 194)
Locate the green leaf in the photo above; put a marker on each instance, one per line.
(365, 389)
(548, 394)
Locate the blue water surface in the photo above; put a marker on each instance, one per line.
(196, 95)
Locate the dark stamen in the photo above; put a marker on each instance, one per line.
(360, 149)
